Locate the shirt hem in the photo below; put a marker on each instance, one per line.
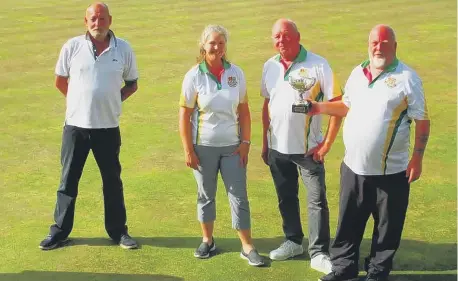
(217, 145)
(89, 126)
(366, 173)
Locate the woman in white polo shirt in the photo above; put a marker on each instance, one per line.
(215, 129)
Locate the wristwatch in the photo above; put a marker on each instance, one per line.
(246, 141)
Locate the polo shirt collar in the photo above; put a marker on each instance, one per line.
(390, 68)
(113, 39)
(302, 56)
(204, 68)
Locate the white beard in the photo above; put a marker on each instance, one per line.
(99, 35)
(377, 62)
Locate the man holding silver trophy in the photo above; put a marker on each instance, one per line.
(292, 140)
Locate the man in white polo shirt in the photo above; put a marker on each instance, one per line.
(293, 141)
(90, 73)
(382, 96)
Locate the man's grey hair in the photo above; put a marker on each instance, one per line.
(99, 3)
(290, 22)
(293, 24)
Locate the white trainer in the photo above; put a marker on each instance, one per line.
(287, 249)
(321, 263)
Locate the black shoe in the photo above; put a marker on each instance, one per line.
(204, 250)
(367, 261)
(50, 242)
(334, 276)
(376, 277)
(253, 258)
(126, 242)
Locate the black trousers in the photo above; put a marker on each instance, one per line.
(105, 145)
(386, 198)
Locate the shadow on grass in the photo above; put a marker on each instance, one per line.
(420, 256)
(422, 277)
(224, 245)
(80, 276)
(412, 255)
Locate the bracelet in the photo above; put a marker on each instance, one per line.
(246, 141)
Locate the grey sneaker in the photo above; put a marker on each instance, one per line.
(126, 242)
(287, 249)
(253, 258)
(204, 250)
(322, 263)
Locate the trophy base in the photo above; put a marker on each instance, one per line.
(301, 107)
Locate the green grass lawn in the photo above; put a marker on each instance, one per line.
(160, 191)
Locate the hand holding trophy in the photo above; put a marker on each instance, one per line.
(302, 85)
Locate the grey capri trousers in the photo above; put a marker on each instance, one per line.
(214, 159)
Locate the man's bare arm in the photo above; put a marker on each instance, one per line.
(62, 84)
(129, 89)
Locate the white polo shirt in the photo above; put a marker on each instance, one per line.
(214, 119)
(376, 130)
(289, 132)
(94, 97)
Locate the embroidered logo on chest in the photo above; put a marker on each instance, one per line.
(232, 81)
(303, 73)
(390, 82)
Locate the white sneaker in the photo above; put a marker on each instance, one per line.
(321, 263)
(287, 249)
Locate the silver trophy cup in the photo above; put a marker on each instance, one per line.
(301, 85)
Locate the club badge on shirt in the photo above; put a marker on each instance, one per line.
(303, 73)
(390, 82)
(232, 81)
